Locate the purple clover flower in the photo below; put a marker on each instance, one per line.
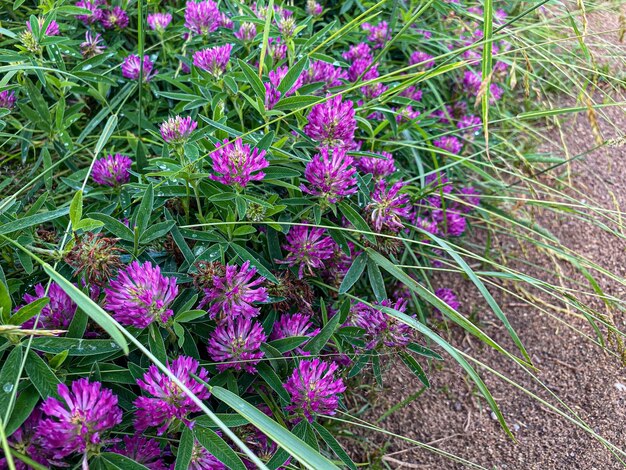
(235, 163)
(289, 325)
(413, 93)
(332, 123)
(472, 84)
(276, 49)
(131, 68)
(168, 402)
(247, 32)
(233, 294)
(141, 295)
(272, 95)
(377, 167)
(388, 207)
(449, 143)
(449, 222)
(202, 17)
(114, 18)
(419, 57)
(92, 45)
(142, 450)
(51, 30)
(26, 441)
(470, 124)
(236, 343)
(202, 459)
(213, 60)
(330, 175)
(321, 71)
(358, 51)
(176, 130)
(448, 296)
(59, 312)
(381, 328)
(471, 198)
(379, 34)
(406, 114)
(225, 21)
(7, 99)
(313, 8)
(112, 170)
(77, 423)
(94, 7)
(307, 248)
(314, 389)
(159, 21)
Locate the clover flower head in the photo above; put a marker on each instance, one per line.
(388, 207)
(112, 170)
(176, 130)
(131, 68)
(201, 17)
(332, 123)
(214, 60)
(307, 248)
(330, 175)
(236, 344)
(115, 18)
(236, 163)
(57, 314)
(159, 21)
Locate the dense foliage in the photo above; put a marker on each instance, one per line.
(227, 214)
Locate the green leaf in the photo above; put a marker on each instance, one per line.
(42, 377)
(354, 273)
(357, 221)
(29, 221)
(9, 377)
(229, 419)
(120, 462)
(95, 312)
(316, 344)
(74, 346)
(114, 226)
(422, 351)
(145, 209)
(185, 450)
(24, 405)
(415, 367)
(106, 132)
(156, 231)
(254, 261)
(5, 302)
(330, 440)
(253, 79)
(376, 280)
(219, 448)
(300, 450)
(189, 315)
(87, 224)
(76, 208)
(297, 102)
(271, 379)
(292, 76)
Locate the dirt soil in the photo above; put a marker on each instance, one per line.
(452, 417)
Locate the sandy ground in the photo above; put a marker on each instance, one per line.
(452, 417)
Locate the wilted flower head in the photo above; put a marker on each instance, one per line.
(94, 257)
(235, 163)
(7, 99)
(92, 45)
(94, 7)
(236, 343)
(51, 30)
(449, 143)
(379, 167)
(159, 21)
(201, 17)
(77, 423)
(141, 450)
(330, 175)
(59, 312)
(213, 60)
(307, 248)
(131, 68)
(314, 389)
(112, 170)
(388, 207)
(176, 130)
(332, 123)
(313, 8)
(116, 17)
(247, 32)
(141, 295)
(379, 34)
(380, 327)
(419, 57)
(168, 401)
(232, 294)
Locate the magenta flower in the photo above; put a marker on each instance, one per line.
(26, 441)
(289, 325)
(114, 18)
(419, 57)
(51, 30)
(247, 32)
(449, 222)
(330, 175)
(233, 294)
(382, 328)
(92, 45)
(131, 68)
(235, 163)
(321, 71)
(276, 49)
(94, 7)
(141, 295)
(176, 130)
(7, 99)
(388, 207)
(225, 21)
(112, 170)
(332, 123)
(314, 389)
(159, 21)
(202, 459)
(379, 34)
(449, 143)
(472, 84)
(142, 450)
(377, 167)
(358, 51)
(426, 224)
(202, 17)
(470, 124)
(77, 423)
(59, 312)
(470, 197)
(447, 295)
(236, 343)
(272, 95)
(307, 248)
(168, 402)
(413, 93)
(313, 8)
(213, 60)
